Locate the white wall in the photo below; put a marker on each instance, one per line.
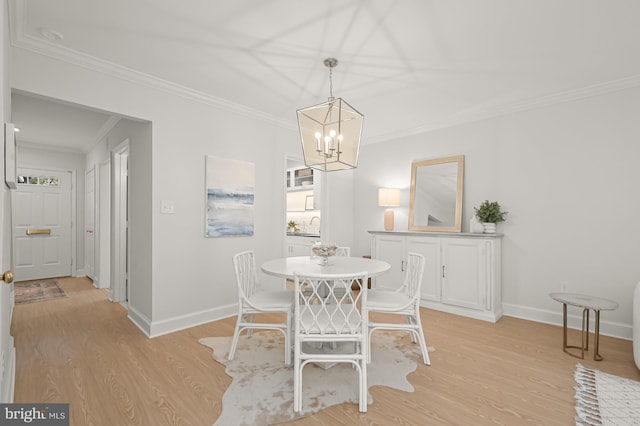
(55, 160)
(138, 134)
(190, 279)
(568, 176)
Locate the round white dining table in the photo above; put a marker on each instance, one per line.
(287, 267)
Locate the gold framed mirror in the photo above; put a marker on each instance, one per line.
(436, 194)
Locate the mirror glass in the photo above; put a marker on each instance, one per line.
(436, 194)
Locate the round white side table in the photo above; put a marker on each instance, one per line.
(587, 303)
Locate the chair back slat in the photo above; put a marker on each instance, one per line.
(246, 277)
(413, 274)
(343, 251)
(328, 306)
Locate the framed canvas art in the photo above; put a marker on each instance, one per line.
(229, 197)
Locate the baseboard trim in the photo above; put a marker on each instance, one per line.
(140, 320)
(574, 321)
(182, 322)
(79, 273)
(466, 312)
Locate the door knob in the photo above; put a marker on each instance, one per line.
(7, 277)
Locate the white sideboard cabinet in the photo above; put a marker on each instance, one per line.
(462, 273)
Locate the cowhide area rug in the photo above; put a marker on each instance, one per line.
(262, 389)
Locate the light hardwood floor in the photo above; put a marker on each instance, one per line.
(83, 350)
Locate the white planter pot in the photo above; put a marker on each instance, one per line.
(475, 226)
(489, 228)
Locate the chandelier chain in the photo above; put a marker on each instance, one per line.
(331, 63)
(331, 82)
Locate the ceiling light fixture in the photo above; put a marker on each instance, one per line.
(330, 132)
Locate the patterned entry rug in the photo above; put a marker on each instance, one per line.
(605, 399)
(37, 291)
(262, 389)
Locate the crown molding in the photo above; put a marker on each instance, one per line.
(46, 146)
(52, 50)
(512, 108)
(569, 95)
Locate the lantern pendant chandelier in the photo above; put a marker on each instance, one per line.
(330, 132)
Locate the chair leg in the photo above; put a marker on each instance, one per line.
(409, 320)
(234, 342)
(251, 318)
(364, 391)
(287, 341)
(423, 343)
(369, 345)
(297, 382)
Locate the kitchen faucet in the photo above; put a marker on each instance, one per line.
(315, 217)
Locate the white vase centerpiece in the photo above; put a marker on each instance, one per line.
(324, 251)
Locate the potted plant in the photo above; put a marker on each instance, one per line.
(490, 213)
(293, 226)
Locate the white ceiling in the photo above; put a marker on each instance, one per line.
(408, 66)
(44, 122)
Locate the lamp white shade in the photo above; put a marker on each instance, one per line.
(388, 197)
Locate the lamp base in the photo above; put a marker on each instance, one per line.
(388, 220)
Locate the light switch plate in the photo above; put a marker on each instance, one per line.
(167, 207)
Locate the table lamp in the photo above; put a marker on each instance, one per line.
(388, 197)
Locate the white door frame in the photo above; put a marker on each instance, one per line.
(103, 225)
(90, 240)
(119, 232)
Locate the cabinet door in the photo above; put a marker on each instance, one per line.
(430, 249)
(390, 249)
(463, 275)
(298, 246)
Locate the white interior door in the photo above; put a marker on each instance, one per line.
(7, 349)
(42, 224)
(89, 223)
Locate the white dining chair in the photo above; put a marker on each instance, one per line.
(403, 301)
(333, 313)
(343, 251)
(252, 301)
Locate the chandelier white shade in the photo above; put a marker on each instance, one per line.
(330, 132)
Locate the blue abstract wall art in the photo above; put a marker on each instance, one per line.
(230, 188)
